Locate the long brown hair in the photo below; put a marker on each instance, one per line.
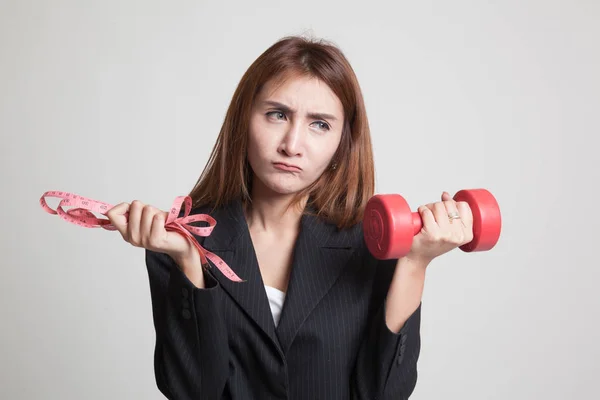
(340, 194)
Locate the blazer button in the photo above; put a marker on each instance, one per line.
(186, 314)
(186, 303)
(184, 293)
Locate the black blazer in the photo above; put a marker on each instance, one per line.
(332, 342)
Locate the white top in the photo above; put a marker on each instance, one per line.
(276, 299)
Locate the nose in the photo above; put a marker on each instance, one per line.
(292, 142)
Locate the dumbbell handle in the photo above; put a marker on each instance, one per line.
(417, 223)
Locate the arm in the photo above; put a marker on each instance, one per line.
(386, 366)
(405, 293)
(191, 354)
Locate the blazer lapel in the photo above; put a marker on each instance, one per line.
(320, 255)
(230, 240)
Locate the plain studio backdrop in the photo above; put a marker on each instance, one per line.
(123, 100)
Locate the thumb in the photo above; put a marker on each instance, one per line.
(118, 216)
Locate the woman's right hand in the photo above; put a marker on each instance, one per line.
(145, 227)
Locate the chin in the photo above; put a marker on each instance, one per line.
(281, 184)
(284, 189)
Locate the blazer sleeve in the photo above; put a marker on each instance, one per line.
(191, 355)
(386, 364)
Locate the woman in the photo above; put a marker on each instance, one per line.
(316, 316)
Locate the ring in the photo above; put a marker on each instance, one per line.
(453, 216)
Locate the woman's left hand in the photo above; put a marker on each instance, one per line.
(439, 233)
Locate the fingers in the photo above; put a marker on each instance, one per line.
(429, 223)
(459, 233)
(141, 225)
(119, 218)
(466, 216)
(157, 229)
(440, 234)
(441, 215)
(133, 226)
(450, 209)
(439, 212)
(146, 218)
(146, 225)
(451, 230)
(450, 206)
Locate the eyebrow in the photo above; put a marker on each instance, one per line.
(288, 110)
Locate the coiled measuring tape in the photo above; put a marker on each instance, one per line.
(82, 214)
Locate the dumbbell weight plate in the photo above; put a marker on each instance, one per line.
(388, 226)
(487, 220)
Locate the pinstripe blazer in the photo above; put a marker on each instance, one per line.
(332, 342)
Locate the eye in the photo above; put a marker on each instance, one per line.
(277, 113)
(324, 125)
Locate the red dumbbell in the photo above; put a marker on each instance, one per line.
(389, 226)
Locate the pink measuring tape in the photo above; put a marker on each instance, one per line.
(82, 215)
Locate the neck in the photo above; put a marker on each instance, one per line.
(271, 212)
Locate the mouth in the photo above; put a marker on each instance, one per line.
(286, 167)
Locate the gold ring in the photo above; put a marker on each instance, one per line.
(453, 216)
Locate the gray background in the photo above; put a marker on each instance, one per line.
(122, 100)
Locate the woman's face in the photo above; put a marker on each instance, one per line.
(298, 124)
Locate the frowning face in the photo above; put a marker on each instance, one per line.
(295, 129)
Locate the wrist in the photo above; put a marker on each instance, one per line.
(185, 258)
(412, 266)
(190, 265)
(184, 254)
